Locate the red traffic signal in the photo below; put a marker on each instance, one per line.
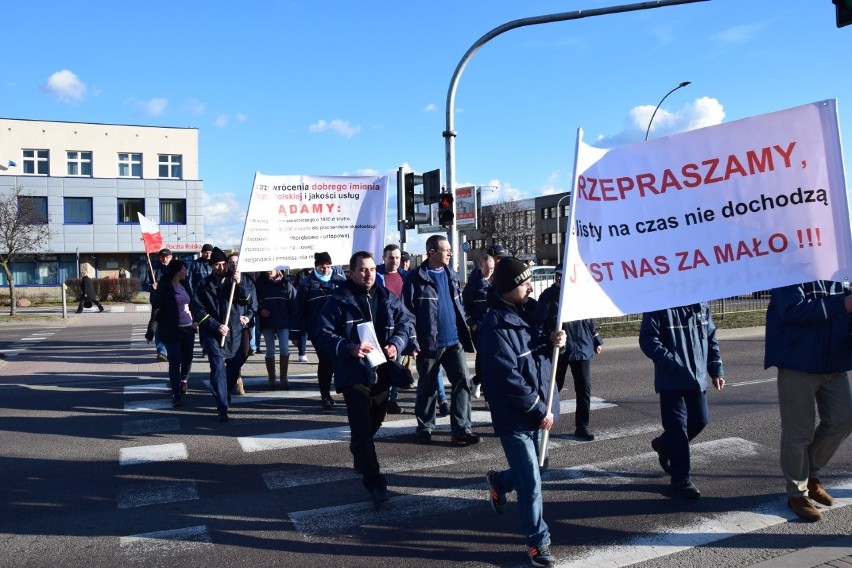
(445, 209)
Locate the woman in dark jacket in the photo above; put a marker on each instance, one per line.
(275, 297)
(170, 316)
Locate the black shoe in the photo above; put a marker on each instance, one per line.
(223, 416)
(686, 490)
(175, 400)
(162, 358)
(466, 439)
(444, 409)
(327, 404)
(380, 497)
(394, 408)
(184, 386)
(100, 310)
(662, 456)
(424, 437)
(497, 499)
(584, 435)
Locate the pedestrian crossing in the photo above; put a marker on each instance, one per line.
(409, 501)
(20, 346)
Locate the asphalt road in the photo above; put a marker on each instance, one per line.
(97, 469)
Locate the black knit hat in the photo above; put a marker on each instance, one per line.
(497, 251)
(321, 258)
(218, 256)
(206, 247)
(509, 273)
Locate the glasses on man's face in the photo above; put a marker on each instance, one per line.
(445, 251)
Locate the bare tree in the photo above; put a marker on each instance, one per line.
(24, 230)
(506, 223)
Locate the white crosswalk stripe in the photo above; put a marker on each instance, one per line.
(141, 547)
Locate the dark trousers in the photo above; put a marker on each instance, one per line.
(365, 409)
(223, 372)
(180, 358)
(325, 371)
(684, 415)
(581, 372)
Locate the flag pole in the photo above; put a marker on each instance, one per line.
(551, 389)
(228, 313)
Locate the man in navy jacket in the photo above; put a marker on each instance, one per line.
(516, 375)
(807, 338)
(364, 388)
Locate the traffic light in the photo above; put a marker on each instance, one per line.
(445, 209)
(413, 218)
(431, 186)
(844, 12)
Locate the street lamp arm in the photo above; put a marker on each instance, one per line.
(683, 84)
(449, 132)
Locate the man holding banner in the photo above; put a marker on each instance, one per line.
(516, 375)
(807, 338)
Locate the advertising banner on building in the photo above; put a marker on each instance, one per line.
(711, 213)
(290, 217)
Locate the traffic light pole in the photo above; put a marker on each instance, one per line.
(401, 221)
(450, 133)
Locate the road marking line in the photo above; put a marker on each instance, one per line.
(150, 454)
(339, 519)
(146, 405)
(178, 541)
(301, 438)
(156, 493)
(137, 427)
(147, 389)
(754, 382)
(670, 540)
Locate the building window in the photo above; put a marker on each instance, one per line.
(130, 165)
(79, 163)
(170, 166)
(545, 214)
(78, 210)
(37, 162)
(128, 209)
(173, 211)
(33, 209)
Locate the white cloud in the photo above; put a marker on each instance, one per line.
(338, 126)
(704, 111)
(430, 107)
(240, 117)
(221, 120)
(65, 86)
(737, 35)
(496, 191)
(154, 107)
(224, 218)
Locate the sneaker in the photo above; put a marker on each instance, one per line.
(541, 556)
(424, 437)
(303, 358)
(584, 435)
(175, 400)
(327, 404)
(394, 408)
(252, 352)
(803, 507)
(818, 493)
(686, 490)
(184, 387)
(444, 409)
(477, 391)
(466, 439)
(497, 499)
(662, 456)
(162, 358)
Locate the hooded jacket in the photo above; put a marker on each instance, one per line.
(682, 344)
(420, 296)
(336, 331)
(210, 305)
(516, 372)
(311, 295)
(278, 297)
(807, 328)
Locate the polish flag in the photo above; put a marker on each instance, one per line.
(150, 234)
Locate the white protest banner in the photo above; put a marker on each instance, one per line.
(711, 213)
(290, 217)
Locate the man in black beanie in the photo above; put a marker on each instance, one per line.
(516, 376)
(210, 310)
(200, 268)
(311, 296)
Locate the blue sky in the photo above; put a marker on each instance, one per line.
(343, 87)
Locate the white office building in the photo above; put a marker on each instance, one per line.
(90, 181)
